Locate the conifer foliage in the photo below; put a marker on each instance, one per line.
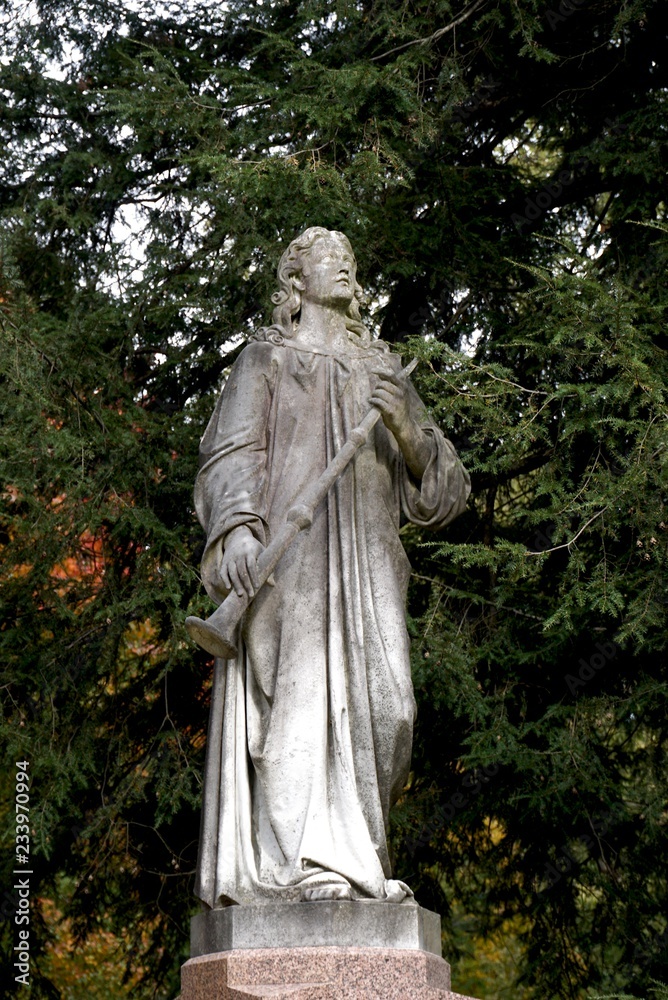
(500, 170)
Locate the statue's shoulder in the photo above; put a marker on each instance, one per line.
(267, 335)
(262, 353)
(380, 347)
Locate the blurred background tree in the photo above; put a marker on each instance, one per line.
(501, 172)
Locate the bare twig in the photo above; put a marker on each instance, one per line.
(567, 545)
(494, 378)
(597, 222)
(436, 35)
(476, 599)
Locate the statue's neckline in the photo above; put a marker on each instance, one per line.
(308, 349)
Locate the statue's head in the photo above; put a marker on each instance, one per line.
(294, 263)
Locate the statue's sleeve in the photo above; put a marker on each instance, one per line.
(441, 495)
(230, 486)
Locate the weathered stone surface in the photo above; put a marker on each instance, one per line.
(318, 974)
(312, 705)
(322, 924)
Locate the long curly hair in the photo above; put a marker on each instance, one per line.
(288, 299)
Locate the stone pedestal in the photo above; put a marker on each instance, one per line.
(335, 950)
(339, 923)
(317, 974)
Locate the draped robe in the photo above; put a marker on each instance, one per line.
(311, 724)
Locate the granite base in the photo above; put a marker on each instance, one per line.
(317, 973)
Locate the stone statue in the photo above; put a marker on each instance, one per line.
(311, 721)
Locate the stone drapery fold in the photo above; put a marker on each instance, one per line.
(311, 724)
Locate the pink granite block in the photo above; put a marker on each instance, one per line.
(317, 974)
(298, 991)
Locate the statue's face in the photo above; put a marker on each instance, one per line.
(328, 275)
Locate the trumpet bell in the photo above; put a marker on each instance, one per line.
(206, 635)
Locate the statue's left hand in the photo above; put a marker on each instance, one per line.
(391, 398)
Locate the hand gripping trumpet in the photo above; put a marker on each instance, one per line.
(218, 634)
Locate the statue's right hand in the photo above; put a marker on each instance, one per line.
(239, 570)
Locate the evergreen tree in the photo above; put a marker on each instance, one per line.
(500, 171)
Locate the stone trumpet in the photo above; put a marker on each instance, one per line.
(218, 634)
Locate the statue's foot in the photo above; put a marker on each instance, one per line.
(396, 891)
(326, 885)
(336, 891)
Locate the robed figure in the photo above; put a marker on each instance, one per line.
(311, 723)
